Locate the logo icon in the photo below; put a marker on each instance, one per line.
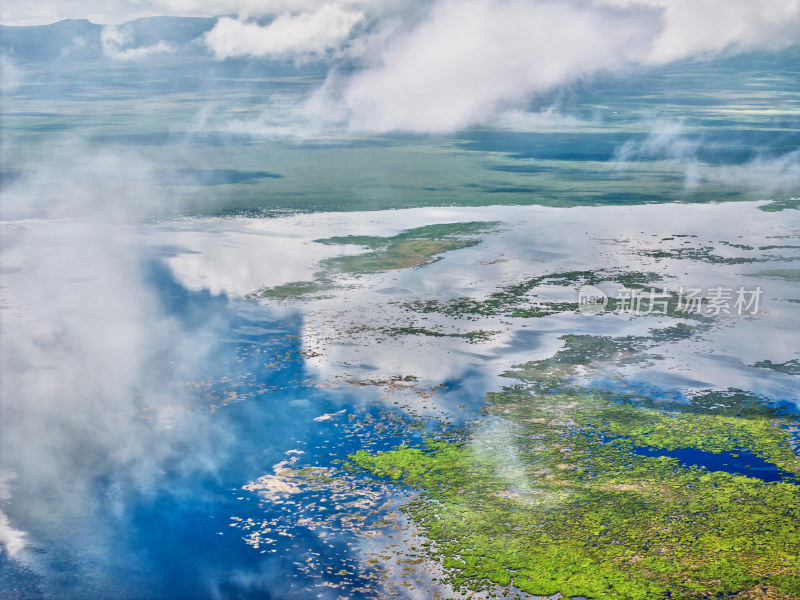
(591, 300)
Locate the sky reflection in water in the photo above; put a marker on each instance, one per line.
(248, 400)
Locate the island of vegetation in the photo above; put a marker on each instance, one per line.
(409, 248)
(608, 491)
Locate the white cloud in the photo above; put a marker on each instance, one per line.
(669, 140)
(444, 65)
(666, 140)
(766, 175)
(695, 27)
(471, 58)
(116, 44)
(308, 33)
(12, 540)
(468, 60)
(11, 76)
(86, 391)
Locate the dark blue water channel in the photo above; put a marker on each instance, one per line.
(739, 463)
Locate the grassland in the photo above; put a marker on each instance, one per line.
(410, 248)
(547, 494)
(295, 290)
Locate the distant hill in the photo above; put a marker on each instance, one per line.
(73, 39)
(69, 38)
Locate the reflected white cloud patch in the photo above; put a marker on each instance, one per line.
(84, 342)
(89, 355)
(11, 540)
(344, 335)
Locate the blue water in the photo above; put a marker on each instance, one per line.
(739, 463)
(170, 537)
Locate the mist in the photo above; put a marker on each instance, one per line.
(761, 170)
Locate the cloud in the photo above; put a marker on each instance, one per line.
(461, 63)
(304, 34)
(11, 539)
(697, 27)
(669, 140)
(11, 76)
(470, 59)
(442, 66)
(116, 44)
(666, 140)
(83, 393)
(764, 174)
(88, 352)
(70, 179)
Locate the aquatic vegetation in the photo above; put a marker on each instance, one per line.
(779, 246)
(519, 300)
(400, 255)
(705, 254)
(410, 248)
(295, 290)
(548, 493)
(790, 367)
(786, 274)
(708, 253)
(475, 336)
(781, 204)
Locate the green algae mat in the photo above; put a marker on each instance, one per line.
(549, 491)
